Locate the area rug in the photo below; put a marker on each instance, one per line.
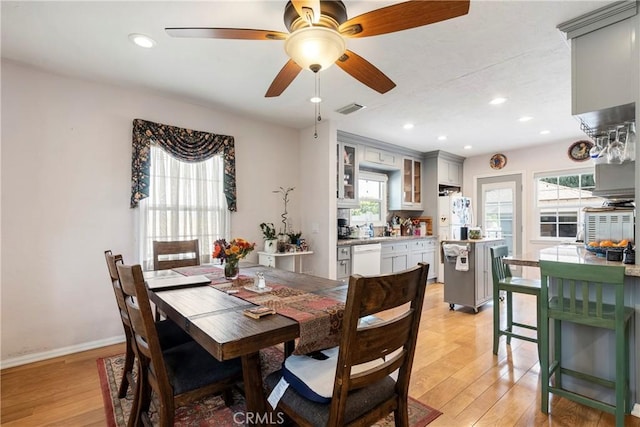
(212, 411)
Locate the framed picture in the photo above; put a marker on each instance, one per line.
(579, 150)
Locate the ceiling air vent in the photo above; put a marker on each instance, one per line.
(351, 108)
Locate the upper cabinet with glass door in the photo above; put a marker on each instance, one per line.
(407, 185)
(347, 179)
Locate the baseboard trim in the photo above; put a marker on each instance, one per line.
(636, 410)
(50, 354)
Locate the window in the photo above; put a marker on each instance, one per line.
(372, 197)
(560, 198)
(186, 201)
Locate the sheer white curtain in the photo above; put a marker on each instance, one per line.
(186, 201)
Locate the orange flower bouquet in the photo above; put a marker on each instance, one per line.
(231, 253)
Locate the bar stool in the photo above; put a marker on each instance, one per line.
(503, 281)
(578, 295)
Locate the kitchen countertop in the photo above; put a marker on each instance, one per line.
(568, 253)
(381, 239)
(485, 239)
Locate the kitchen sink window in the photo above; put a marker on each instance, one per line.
(560, 198)
(372, 198)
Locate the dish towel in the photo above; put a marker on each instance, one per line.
(460, 253)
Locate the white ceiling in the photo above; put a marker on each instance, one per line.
(446, 73)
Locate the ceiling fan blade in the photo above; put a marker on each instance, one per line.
(227, 33)
(309, 10)
(365, 72)
(283, 79)
(402, 16)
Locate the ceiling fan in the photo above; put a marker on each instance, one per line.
(317, 32)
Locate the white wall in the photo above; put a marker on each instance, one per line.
(527, 162)
(318, 196)
(66, 156)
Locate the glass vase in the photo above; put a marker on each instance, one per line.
(231, 269)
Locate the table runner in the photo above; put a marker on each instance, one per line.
(320, 317)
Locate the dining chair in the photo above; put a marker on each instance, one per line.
(578, 293)
(182, 253)
(367, 376)
(503, 281)
(178, 375)
(169, 334)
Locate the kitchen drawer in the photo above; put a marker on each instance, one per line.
(419, 245)
(344, 252)
(395, 247)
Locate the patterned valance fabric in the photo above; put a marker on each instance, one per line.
(184, 144)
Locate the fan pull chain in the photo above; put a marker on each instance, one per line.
(317, 106)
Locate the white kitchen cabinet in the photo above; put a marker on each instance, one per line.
(383, 158)
(424, 250)
(394, 257)
(343, 263)
(347, 179)
(449, 172)
(604, 57)
(405, 186)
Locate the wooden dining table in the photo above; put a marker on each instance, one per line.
(216, 321)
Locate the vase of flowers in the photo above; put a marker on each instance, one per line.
(231, 253)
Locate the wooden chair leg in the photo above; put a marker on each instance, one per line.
(166, 413)
(509, 315)
(129, 358)
(496, 319)
(401, 414)
(543, 344)
(136, 407)
(557, 350)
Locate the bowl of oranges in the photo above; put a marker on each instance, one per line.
(600, 247)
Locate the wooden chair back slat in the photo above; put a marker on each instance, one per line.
(377, 341)
(185, 253)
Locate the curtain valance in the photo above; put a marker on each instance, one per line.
(184, 144)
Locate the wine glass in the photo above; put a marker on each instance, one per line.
(615, 153)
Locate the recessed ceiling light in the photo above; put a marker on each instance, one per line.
(498, 101)
(525, 118)
(408, 126)
(315, 99)
(142, 40)
(545, 132)
(442, 138)
(467, 147)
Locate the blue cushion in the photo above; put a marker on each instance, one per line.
(316, 414)
(312, 375)
(190, 366)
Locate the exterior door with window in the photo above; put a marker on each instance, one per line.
(500, 209)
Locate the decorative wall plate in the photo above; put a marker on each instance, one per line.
(579, 150)
(498, 161)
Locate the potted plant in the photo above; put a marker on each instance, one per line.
(269, 236)
(294, 237)
(283, 236)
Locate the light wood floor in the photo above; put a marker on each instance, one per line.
(454, 371)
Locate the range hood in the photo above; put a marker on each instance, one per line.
(595, 123)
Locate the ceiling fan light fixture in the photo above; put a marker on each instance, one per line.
(315, 99)
(315, 46)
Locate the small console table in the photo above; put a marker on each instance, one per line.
(290, 261)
